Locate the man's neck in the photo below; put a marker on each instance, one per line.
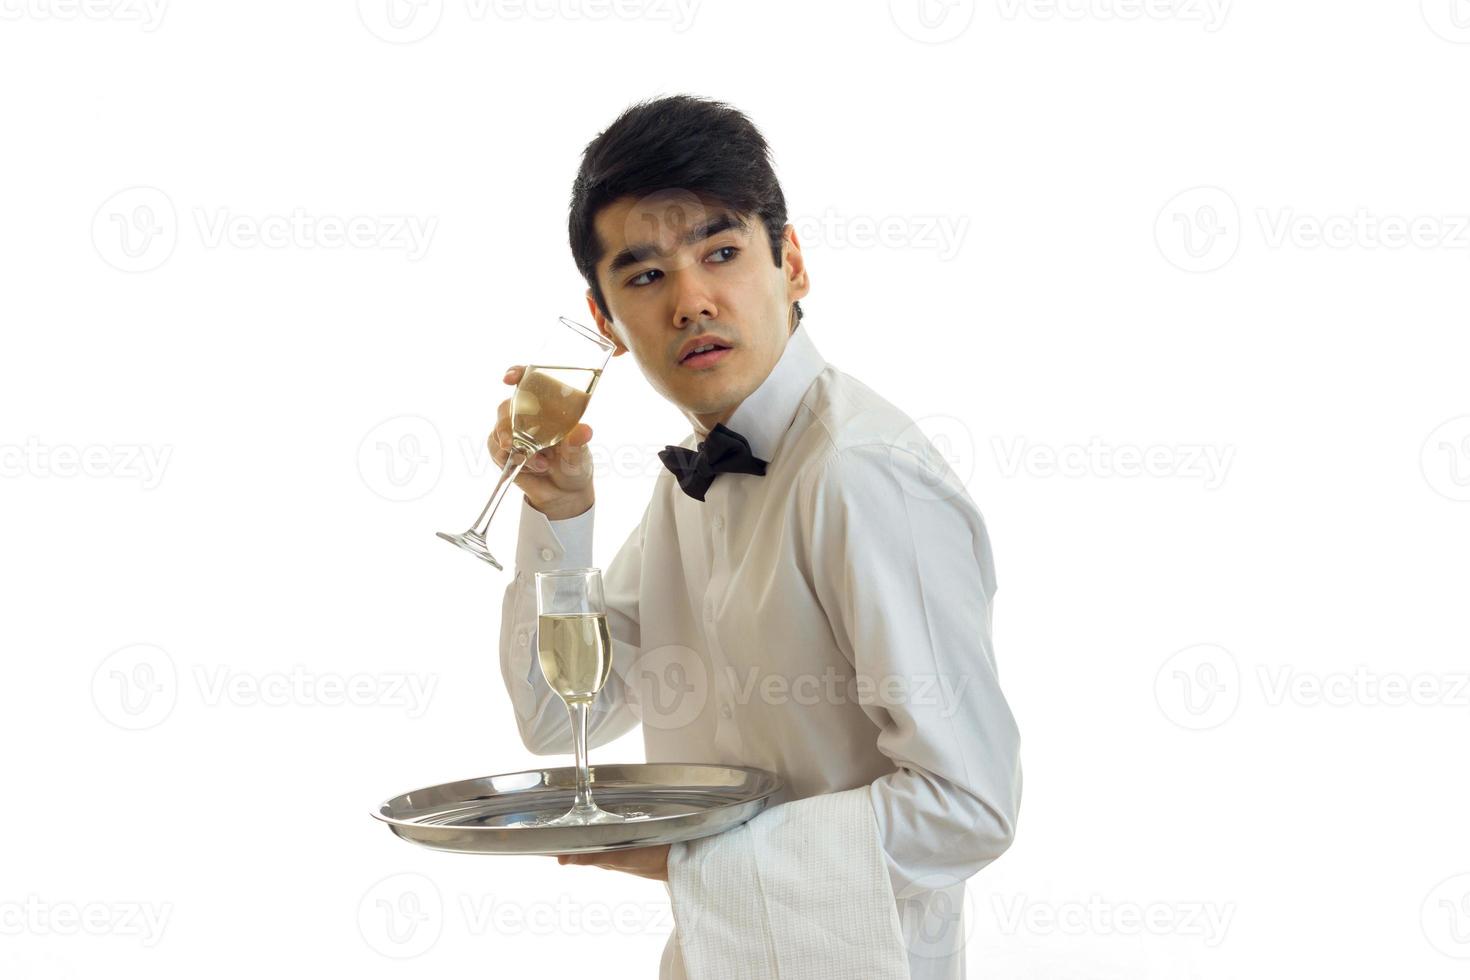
(704, 424)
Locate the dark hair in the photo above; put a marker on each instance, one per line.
(678, 142)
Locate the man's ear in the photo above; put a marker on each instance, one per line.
(604, 325)
(794, 265)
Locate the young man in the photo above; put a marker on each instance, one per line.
(810, 593)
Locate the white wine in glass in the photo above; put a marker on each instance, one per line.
(574, 648)
(547, 405)
(549, 402)
(575, 651)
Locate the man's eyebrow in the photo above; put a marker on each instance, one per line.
(640, 252)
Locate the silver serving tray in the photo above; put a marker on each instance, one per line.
(684, 801)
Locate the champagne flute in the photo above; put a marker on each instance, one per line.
(547, 405)
(574, 647)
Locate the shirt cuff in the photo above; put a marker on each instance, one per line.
(546, 544)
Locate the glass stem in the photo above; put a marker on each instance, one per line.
(508, 473)
(579, 739)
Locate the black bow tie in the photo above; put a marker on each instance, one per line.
(723, 451)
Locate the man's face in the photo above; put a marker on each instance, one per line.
(676, 268)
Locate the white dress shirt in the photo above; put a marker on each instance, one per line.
(829, 621)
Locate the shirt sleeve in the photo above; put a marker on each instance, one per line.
(901, 562)
(541, 715)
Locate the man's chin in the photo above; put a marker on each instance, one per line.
(707, 404)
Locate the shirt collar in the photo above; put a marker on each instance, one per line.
(766, 413)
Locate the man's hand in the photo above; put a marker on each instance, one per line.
(646, 862)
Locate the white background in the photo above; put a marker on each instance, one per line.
(1180, 231)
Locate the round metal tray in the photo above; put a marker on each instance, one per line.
(683, 801)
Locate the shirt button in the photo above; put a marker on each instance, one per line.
(719, 523)
(523, 638)
(725, 710)
(547, 554)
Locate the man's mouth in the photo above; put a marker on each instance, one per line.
(705, 355)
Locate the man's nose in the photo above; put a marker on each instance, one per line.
(693, 301)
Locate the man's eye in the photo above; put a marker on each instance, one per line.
(646, 272)
(733, 250)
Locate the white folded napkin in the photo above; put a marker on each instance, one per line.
(800, 892)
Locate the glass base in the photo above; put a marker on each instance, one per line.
(474, 543)
(582, 817)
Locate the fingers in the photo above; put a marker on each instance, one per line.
(577, 859)
(500, 429)
(569, 450)
(571, 447)
(499, 440)
(646, 862)
(592, 860)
